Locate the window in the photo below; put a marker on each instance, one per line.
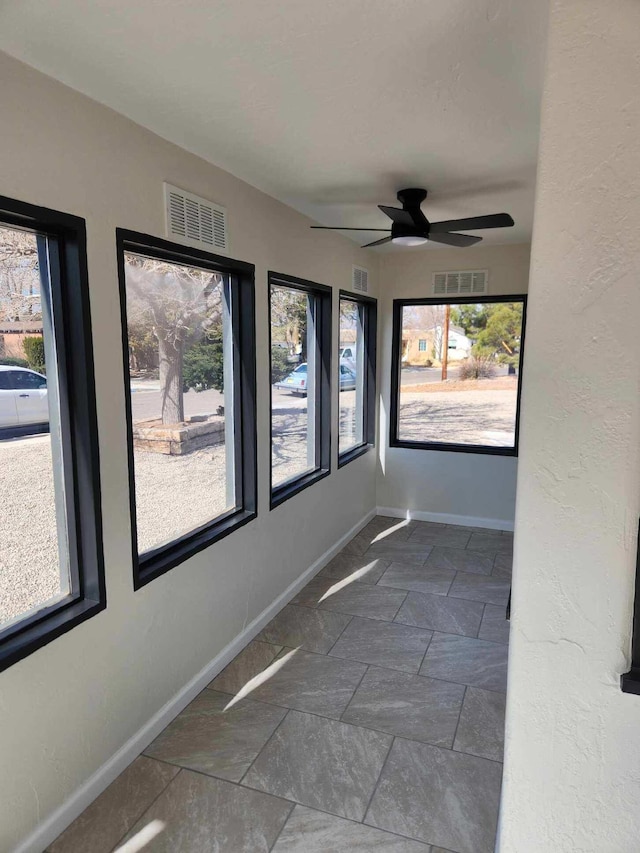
(51, 570)
(466, 397)
(422, 345)
(300, 325)
(189, 351)
(357, 361)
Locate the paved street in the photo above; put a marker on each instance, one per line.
(145, 401)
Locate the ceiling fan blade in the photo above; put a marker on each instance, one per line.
(377, 242)
(454, 239)
(339, 228)
(473, 223)
(401, 217)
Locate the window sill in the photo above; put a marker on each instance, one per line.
(156, 563)
(353, 453)
(43, 627)
(282, 493)
(455, 448)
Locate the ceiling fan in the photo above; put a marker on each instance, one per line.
(410, 227)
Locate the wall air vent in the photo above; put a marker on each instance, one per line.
(360, 280)
(194, 221)
(462, 283)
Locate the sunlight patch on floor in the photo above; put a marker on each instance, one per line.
(260, 678)
(390, 530)
(142, 838)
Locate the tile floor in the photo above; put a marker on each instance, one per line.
(367, 717)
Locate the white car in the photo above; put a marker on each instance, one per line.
(23, 398)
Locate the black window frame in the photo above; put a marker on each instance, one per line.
(62, 247)
(369, 308)
(323, 306)
(158, 561)
(394, 409)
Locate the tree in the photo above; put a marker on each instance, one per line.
(501, 336)
(289, 319)
(471, 318)
(178, 304)
(19, 276)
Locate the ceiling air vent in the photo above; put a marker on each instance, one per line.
(195, 221)
(360, 280)
(462, 283)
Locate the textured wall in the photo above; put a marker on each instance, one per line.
(572, 776)
(461, 484)
(68, 707)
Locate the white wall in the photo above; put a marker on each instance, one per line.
(572, 773)
(67, 708)
(468, 485)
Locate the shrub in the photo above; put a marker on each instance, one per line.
(34, 351)
(477, 368)
(9, 361)
(202, 368)
(280, 365)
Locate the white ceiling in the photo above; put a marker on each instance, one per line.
(328, 105)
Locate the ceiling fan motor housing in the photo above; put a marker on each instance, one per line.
(400, 230)
(411, 198)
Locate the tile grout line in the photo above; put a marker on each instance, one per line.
(152, 803)
(484, 610)
(346, 708)
(281, 830)
(263, 747)
(400, 606)
(455, 734)
(425, 653)
(375, 788)
(328, 652)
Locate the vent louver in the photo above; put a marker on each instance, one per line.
(360, 280)
(195, 221)
(461, 283)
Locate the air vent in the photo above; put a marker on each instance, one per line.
(195, 221)
(360, 280)
(462, 283)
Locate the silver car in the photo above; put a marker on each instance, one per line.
(23, 398)
(297, 381)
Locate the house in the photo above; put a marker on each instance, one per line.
(419, 346)
(12, 335)
(361, 576)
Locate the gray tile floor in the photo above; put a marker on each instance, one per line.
(367, 717)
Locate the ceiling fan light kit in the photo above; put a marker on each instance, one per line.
(410, 227)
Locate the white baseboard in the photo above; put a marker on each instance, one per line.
(47, 831)
(445, 518)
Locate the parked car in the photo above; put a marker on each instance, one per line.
(23, 398)
(296, 381)
(347, 355)
(347, 378)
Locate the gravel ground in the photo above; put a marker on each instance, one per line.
(464, 417)
(29, 563)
